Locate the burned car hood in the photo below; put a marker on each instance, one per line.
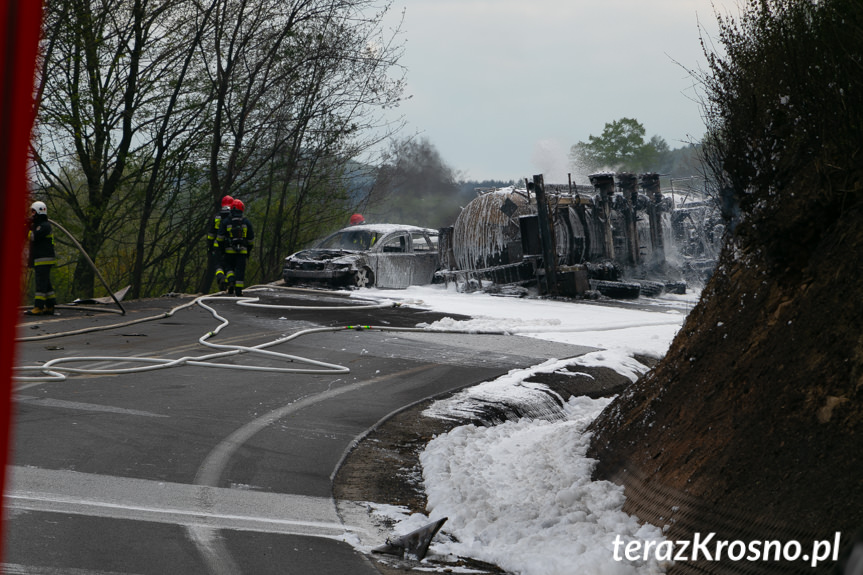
(334, 256)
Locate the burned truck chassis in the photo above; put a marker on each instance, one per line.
(608, 239)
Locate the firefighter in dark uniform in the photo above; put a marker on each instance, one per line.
(42, 259)
(239, 243)
(216, 240)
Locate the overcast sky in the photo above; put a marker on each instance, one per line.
(503, 88)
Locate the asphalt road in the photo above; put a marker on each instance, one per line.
(194, 469)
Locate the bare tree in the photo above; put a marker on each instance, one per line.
(150, 110)
(294, 86)
(103, 70)
(176, 133)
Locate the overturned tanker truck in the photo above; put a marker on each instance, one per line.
(621, 237)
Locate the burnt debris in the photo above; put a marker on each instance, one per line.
(621, 237)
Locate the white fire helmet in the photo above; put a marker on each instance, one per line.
(39, 208)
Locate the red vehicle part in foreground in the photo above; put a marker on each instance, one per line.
(20, 22)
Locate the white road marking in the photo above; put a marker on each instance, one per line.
(211, 547)
(16, 569)
(211, 469)
(107, 365)
(77, 493)
(63, 404)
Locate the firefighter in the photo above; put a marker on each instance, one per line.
(216, 240)
(239, 242)
(42, 258)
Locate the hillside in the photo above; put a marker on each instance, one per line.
(751, 425)
(756, 409)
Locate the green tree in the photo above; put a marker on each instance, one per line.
(621, 146)
(683, 162)
(102, 63)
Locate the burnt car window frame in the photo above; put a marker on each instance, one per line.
(424, 239)
(401, 238)
(368, 236)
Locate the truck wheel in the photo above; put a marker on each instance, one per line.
(651, 289)
(618, 290)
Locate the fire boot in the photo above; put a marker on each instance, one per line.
(40, 311)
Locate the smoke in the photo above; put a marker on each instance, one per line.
(550, 159)
(583, 168)
(553, 160)
(414, 185)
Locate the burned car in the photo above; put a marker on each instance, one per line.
(368, 255)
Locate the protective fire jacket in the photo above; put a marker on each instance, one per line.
(240, 235)
(216, 234)
(42, 242)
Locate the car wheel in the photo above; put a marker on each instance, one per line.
(363, 278)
